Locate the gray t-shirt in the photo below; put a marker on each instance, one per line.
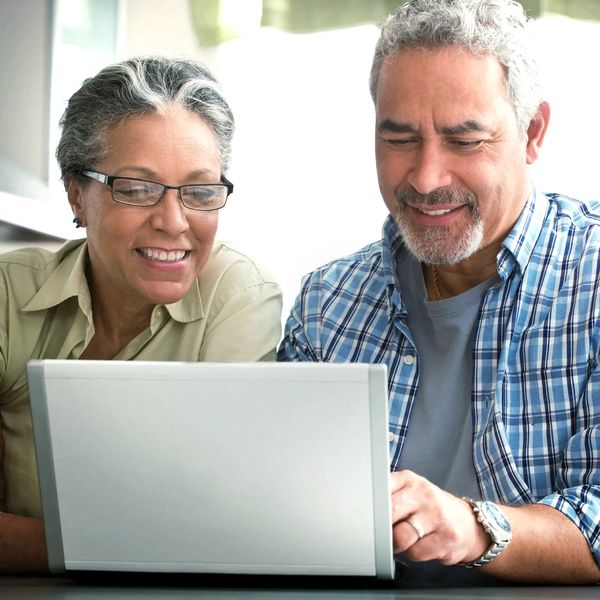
(439, 441)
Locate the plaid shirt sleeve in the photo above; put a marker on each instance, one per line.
(536, 393)
(296, 346)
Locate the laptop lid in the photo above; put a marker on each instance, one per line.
(261, 468)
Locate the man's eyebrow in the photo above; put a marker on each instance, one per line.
(391, 126)
(466, 127)
(395, 126)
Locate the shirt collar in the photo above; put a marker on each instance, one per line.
(68, 280)
(518, 246)
(390, 248)
(392, 241)
(189, 308)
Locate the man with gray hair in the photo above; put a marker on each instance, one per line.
(481, 299)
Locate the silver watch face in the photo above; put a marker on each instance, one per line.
(496, 521)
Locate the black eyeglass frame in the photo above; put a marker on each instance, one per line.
(109, 179)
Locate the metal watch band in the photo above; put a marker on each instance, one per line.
(489, 555)
(496, 547)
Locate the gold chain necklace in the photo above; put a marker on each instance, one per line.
(436, 282)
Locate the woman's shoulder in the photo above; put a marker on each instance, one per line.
(25, 267)
(38, 258)
(229, 265)
(34, 265)
(241, 298)
(28, 258)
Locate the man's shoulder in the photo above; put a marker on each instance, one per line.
(342, 286)
(582, 213)
(576, 223)
(351, 269)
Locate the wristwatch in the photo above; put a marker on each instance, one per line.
(496, 526)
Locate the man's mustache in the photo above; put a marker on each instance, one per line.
(445, 196)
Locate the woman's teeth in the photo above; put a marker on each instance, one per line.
(162, 255)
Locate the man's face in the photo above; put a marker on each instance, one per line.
(451, 163)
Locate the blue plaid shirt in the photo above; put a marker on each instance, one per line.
(536, 382)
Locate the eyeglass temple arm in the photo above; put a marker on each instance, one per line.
(228, 183)
(97, 176)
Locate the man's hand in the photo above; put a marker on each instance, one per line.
(431, 524)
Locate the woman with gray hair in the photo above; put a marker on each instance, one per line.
(144, 153)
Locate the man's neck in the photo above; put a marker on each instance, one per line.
(446, 281)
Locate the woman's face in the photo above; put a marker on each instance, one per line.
(142, 256)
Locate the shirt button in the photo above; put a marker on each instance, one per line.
(392, 437)
(409, 359)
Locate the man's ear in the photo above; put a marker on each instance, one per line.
(536, 132)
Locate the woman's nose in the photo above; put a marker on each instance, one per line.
(169, 214)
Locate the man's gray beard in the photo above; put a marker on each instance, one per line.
(435, 245)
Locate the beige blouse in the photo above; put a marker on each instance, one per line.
(232, 314)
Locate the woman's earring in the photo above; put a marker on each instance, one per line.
(77, 222)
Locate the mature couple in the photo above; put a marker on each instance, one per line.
(480, 298)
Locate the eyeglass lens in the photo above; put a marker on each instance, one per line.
(146, 193)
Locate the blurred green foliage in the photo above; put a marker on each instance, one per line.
(316, 15)
(578, 9)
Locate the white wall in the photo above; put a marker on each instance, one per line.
(303, 166)
(25, 41)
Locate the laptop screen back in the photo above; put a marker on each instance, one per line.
(184, 467)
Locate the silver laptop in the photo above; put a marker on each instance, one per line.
(264, 468)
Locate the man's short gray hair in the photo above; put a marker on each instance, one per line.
(133, 87)
(498, 28)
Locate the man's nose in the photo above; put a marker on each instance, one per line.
(430, 170)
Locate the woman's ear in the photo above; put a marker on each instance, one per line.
(74, 190)
(537, 131)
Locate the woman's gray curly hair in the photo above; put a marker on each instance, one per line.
(497, 28)
(137, 86)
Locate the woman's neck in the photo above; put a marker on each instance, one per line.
(115, 325)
